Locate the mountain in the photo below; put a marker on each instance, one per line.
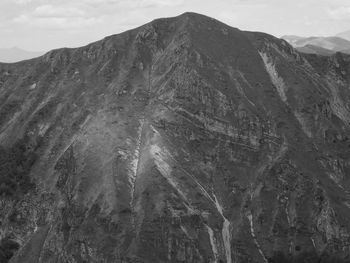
(319, 45)
(15, 54)
(183, 140)
(311, 49)
(345, 35)
(293, 40)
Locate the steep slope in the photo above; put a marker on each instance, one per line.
(16, 54)
(184, 140)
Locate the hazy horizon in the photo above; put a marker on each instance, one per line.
(41, 25)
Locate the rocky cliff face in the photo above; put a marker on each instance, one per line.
(184, 140)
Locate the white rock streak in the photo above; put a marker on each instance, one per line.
(275, 78)
(212, 243)
(226, 233)
(162, 158)
(33, 86)
(250, 218)
(303, 123)
(221, 127)
(338, 106)
(240, 89)
(43, 128)
(313, 243)
(135, 161)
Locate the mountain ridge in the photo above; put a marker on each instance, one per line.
(345, 34)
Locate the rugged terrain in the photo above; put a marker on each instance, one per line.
(184, 140)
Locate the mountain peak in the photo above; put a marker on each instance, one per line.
(191, 16)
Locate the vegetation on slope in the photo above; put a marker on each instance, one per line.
(15, 164)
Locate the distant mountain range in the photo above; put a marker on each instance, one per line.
(15, 54)
(320, 45)
(345, 35)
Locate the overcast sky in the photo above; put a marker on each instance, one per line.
(40, 25)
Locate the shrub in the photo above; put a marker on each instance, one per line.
(15, 165)
(7, 248)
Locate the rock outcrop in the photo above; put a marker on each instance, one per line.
(184, 140)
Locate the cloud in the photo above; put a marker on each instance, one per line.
(57, 17)
(57, 22)
(131, 4)
(23, 2)
(73, 14)
(339, 13)
(161, 2)
(58, 11)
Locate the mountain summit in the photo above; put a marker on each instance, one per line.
(183, 140)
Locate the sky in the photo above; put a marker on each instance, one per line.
(42, 25)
